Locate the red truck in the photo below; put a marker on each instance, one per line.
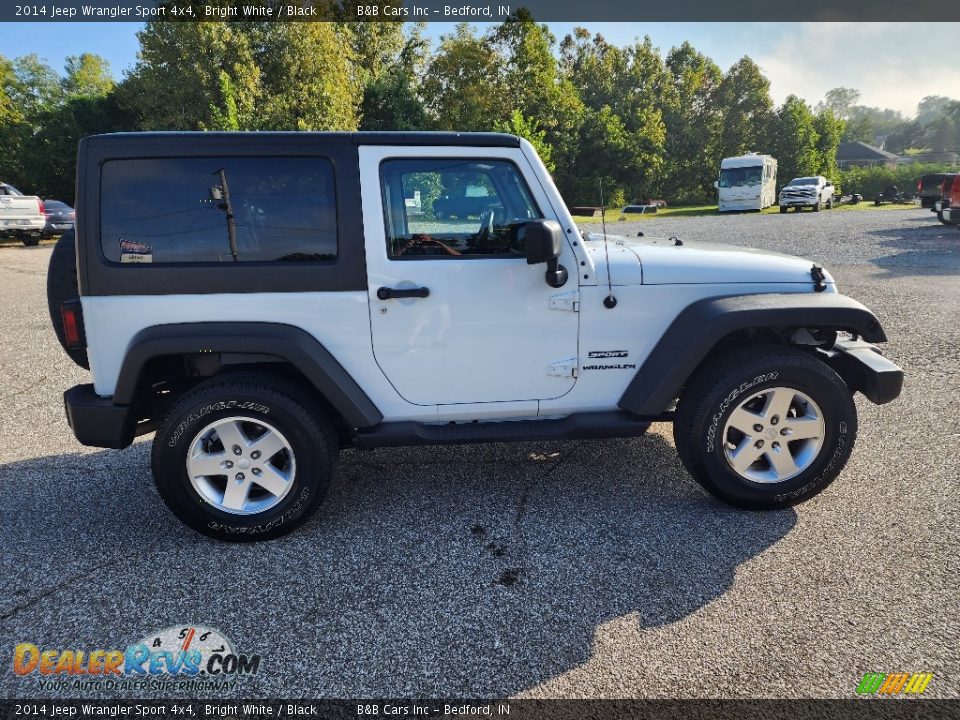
(948, 208)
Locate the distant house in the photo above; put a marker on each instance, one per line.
(859, 154)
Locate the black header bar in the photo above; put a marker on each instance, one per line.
(480, 11)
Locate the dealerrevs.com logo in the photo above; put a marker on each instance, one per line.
(191, 656)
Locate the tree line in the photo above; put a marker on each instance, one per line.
(642, 123)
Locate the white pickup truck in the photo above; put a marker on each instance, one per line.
(813, 192)
(21, 215)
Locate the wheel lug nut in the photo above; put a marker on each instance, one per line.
(758, 428)
(255, 454)
(784, 431)
(776, 446)
(774, 420)
(256, 471)
(241, 477)
(228, 464)
(759, 444)
(237, 450)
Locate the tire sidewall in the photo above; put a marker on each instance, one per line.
(839, 416)
(174, 440)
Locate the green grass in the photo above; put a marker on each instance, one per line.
(614, 215)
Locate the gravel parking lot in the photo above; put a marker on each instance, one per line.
(588, 569)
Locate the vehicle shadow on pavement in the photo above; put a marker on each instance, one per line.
(930, 249)
(463, 571)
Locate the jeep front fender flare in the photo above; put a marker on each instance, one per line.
(702, 324)
(286, 342)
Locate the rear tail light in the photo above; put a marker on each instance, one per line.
(71, 313)
(43, 210)
(920, 185)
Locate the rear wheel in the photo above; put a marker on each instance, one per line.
(941, 218)
(765, 427)
(783, 209)
(244, 458)
(830, 203)
(30, 240)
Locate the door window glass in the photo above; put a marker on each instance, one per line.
(455, 208)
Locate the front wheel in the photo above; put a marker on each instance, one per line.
(765, 427)
(244, 458)
(783, 209)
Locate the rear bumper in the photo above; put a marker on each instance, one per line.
(96, 421)
(865, 369)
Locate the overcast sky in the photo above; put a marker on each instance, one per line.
(894, 65)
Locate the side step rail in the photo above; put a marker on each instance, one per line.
(574, 427)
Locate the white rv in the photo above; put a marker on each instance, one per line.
(748, 182)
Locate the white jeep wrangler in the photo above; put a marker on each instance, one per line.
(287, 299)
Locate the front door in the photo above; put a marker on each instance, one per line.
(457, 314)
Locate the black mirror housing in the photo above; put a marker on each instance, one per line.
(544, 240)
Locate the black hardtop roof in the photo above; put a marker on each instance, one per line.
(468, 139)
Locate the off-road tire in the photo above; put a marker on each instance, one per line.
(62, 286)
(816, 206)
(710, 397)
(829, 203)
(783, 209)
(286, 407)
(30, 241)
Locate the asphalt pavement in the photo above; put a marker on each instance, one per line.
(581, 569)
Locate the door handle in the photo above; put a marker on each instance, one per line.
(386, 293)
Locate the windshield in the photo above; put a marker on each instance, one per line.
(803, 181)
(741, 176)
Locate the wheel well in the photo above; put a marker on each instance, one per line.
(164, 379)
(803, 338)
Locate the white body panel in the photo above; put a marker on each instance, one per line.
(487, 332)
(755, 196)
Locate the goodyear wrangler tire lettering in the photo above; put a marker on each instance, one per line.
(212, 482)
(747, 380)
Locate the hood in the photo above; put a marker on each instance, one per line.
(660, 261)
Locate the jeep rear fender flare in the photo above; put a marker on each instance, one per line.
(702, 324)
(285, 342)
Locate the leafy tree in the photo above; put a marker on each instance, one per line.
(841, 101)
(193, 76)
(463, 87)
(529, 129)
(795, 140)
(829, 129)
(940, 134)
(859, 129)
(390, 100)
(87, 75)
(693, 123)
(307, 76)
(746, 109)
(931, 107)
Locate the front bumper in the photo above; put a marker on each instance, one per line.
(798, 201)
(96, 421)
(864, 368)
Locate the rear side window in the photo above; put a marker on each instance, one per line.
(218, 210)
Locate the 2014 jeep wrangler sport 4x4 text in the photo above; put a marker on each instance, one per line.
(261, 300)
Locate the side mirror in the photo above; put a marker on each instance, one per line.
(544, 242)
